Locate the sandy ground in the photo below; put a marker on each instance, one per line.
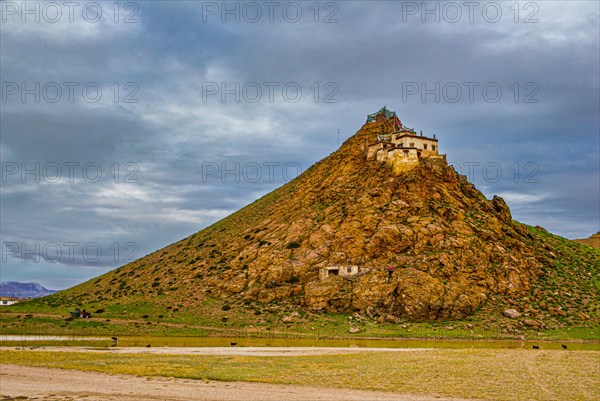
(72, 385)
(241, 351)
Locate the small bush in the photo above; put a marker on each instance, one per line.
(226, 307)
(293, 245)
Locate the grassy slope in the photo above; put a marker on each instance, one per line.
(565, 300)
(151, 296)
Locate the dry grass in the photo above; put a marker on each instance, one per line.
(483, 374)
(593, 241)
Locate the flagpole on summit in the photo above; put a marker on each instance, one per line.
(338, 142)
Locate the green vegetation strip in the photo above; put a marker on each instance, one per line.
(483, 374)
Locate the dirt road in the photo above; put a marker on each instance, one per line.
(72, 385)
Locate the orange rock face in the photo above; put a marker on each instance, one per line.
(451, 248)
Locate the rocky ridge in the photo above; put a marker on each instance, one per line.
(453, 250)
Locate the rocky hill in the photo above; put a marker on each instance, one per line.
(592, 240)
(454, 252)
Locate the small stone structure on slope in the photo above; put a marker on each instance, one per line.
(338, 270)
(399, 146)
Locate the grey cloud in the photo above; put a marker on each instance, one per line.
(172, 134)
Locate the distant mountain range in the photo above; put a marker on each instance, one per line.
(23, 290)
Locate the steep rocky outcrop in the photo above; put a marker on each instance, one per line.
(451, 248)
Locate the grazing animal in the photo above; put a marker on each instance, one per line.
(115, 341)
(536, 347)
(233, 344)
(148, 346)
(563, 346)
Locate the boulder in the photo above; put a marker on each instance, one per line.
(511, 313)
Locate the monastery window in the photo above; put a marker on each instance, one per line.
(412, 145)
(349, 269)
(425, 146)
(406, 153)
(401, 145)
(432, 147)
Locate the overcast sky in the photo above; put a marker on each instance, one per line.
(125, 129)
